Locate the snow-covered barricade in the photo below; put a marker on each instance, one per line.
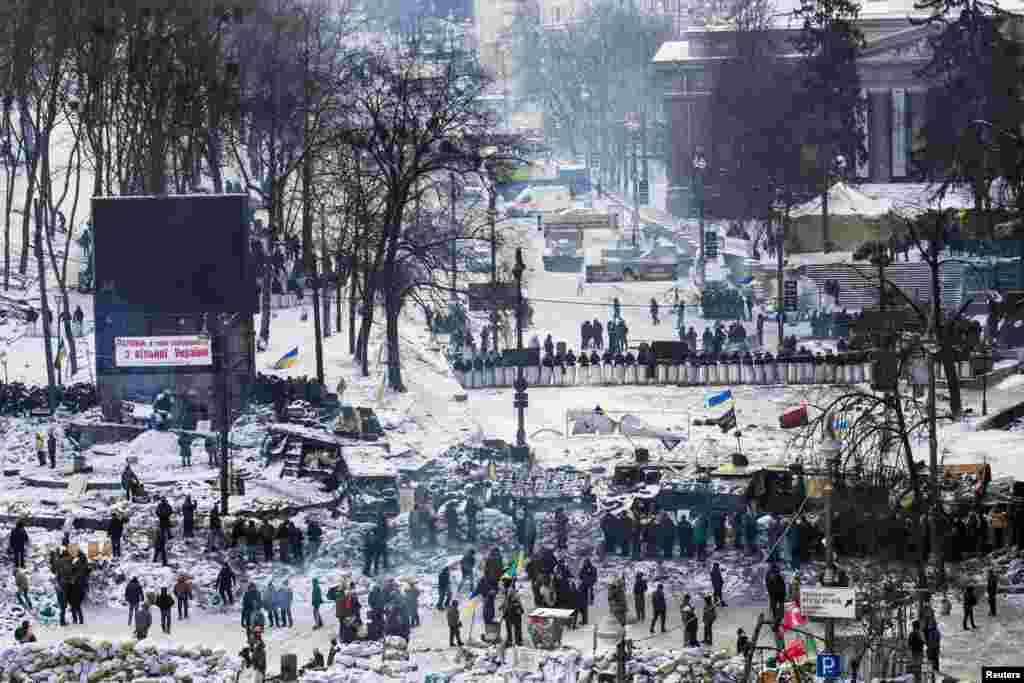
(568, 665)
(91, 660)
(378, 662)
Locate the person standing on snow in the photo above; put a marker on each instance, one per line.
(654, 311)
(660, 607)
(991, 590)
(51, 447)
(776, 587)
(18, 542)
(165, 603)
(444, 587)
(188, 516)
(717, 583)
(471, 512)
(160, 545)
(21, 583)
(588, 579)
(226, 584)
(252, 602)
(969, 600)
(700, 537)
(285, 599)
(317, 600)
(133, 595)
(708, 618)
(143, 621)
(41, 449)
(689, 617)
(115, 528)
(454, 625)
(270, 604)
(183, 593)
(640, 597)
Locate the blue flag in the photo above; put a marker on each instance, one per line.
(718, 398)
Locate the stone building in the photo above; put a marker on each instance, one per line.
(895, 52)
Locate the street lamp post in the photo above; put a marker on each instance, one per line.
(492, 211)
(829, 450)
(700, 165)
(930, 347)
(520, 400)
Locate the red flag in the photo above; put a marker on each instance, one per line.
(792, 617)
(795, 649)
(794, 417)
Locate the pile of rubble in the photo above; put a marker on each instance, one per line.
(568, 664)
(84, 659)
(376, 662)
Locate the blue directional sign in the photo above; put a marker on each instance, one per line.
(829, 667)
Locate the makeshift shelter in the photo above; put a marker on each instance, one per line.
(854, 217)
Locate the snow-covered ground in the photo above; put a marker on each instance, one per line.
(421, 424)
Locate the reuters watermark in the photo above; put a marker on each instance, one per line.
(1002, 673)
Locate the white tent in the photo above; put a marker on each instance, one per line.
(844, 200)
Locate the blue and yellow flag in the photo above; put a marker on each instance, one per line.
(287, 360)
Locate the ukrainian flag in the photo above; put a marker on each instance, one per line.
(287, 360)
(716, 399)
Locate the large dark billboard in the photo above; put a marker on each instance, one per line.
(173, 254)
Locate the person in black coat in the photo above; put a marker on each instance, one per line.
(586, 331)
(717, 583)
(226, 584)
(597, 334)
(666, 535)
(115, 528)
(684, 530)
(51, 447)
(660, 607)
(18, 542)
(588, 579)
(188, 516)
(160, 546)
(133, 595)
(163, 513)
(444, 588)
(640, 596)
(970, 600)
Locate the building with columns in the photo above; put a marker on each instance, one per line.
(896, 50)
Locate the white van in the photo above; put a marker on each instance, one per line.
(540, 199)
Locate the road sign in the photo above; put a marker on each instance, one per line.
(829, 603)
(828, 667)
(644, 193)
(711, 244)
(789, 298)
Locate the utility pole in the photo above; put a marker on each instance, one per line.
(636, 190)
(700, 165)
(830, 451)
(223, 358)
(933, 462)
(520, 399)
(492, 212)
(748, 657)
(451, 219)
(307, 220)
(781, 307)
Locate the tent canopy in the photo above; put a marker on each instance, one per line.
(844, 200)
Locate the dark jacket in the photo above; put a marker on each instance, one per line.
(226, 578)
(658, 602)
(133, 592)
(115, 527)
(19, 538)
(639, 586)
(716, 578)
(164, 601)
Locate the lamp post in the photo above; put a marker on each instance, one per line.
(492, 212)
(930, 347)
(829, 451)
(520, 399)
(982, 365)
(700, 165)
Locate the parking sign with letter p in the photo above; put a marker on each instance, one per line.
(828, 667)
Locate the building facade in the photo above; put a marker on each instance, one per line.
(896, 97)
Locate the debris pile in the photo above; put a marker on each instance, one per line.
(93, 660)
